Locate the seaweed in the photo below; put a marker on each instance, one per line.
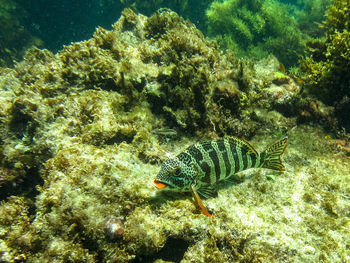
(258, 28)
(326, 67)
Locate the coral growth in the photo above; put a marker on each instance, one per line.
(78, 133)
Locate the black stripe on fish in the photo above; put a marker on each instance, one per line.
(195, 153)
(231, 160)
(244, 161)
(215, 160)
(206, 169)
(225, 159)
(215, 155)
(262, 157)
(235, 157)
(207, 150)
(240, 159)
(201, 162)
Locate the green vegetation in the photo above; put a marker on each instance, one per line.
(327, 66)
(257, 28)
(310, 15)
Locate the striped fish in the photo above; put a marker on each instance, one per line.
(201, 166)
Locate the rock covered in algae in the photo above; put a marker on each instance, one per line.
(79, 125)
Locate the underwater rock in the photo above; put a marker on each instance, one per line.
(79, 125)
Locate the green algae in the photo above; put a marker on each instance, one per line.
(80, 124)
(258, 28)
(326, 67)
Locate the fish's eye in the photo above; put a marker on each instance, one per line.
(177, 171)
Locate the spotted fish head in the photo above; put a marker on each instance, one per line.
(171, 176)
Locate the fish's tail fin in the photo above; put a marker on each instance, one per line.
(272, 155)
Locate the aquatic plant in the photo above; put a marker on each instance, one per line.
(257, 28)
(310, 15)
(326, 68)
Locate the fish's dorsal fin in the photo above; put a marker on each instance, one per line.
(243, 144)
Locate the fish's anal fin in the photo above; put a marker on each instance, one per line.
(272, 155)
(199, 203)
(243, 144)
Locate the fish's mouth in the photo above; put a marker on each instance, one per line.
(159, 184)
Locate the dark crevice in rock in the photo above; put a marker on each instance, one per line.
(173, 250)
(21, 123)
(25, 186)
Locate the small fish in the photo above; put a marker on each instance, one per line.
(282, 68)
(201, 166)
(298, 80)
(165, 132)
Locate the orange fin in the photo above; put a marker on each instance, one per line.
(199, 202)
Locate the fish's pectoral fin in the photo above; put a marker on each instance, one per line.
(207, 191)
(198, 202)
(232, 179)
